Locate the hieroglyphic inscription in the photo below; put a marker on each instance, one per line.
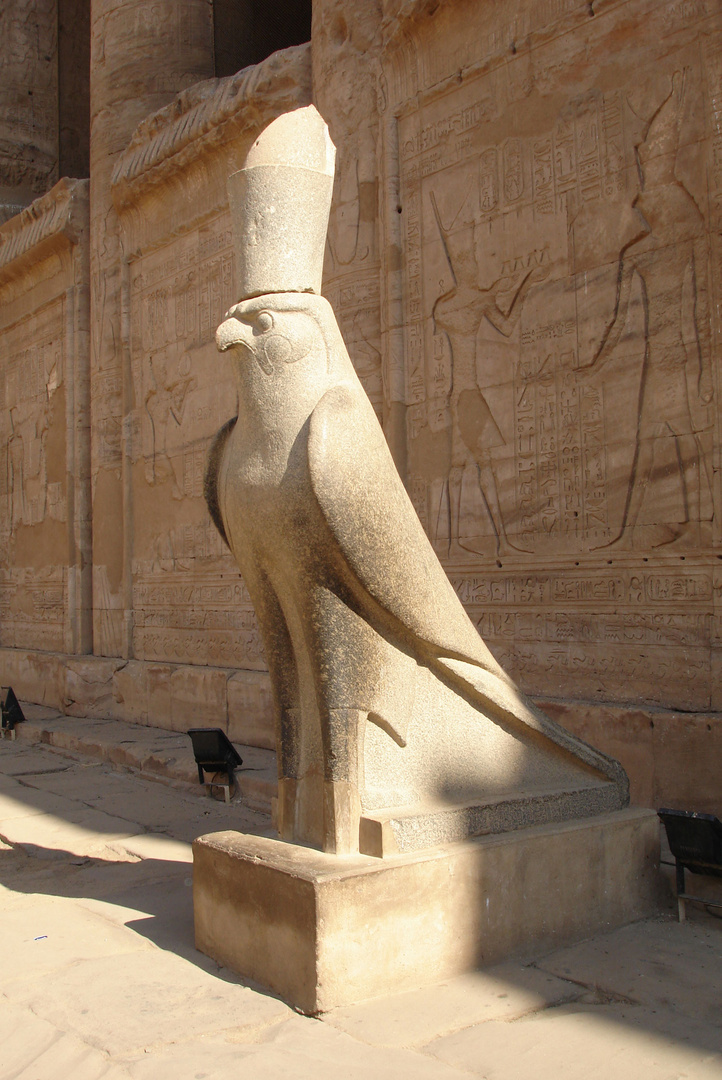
(179, 297)
(355, 300)
(631, 586)
(28, 102)
(673, 677)
(560, 442)
(32, 607)
(617, 635)
(585, 154)
(187, 618)
(189, 603)
(414, 313)
(31, 375)
(32, 487)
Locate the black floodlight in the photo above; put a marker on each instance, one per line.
(12, 714)
(695, 841)
(214, 752)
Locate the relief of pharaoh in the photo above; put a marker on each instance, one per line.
(365, 638)
(669, 259)
(459, 313)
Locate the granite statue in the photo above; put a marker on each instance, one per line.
(385, 694)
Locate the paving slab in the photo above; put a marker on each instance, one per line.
(505, 992)
(140, 1000)
(159, 911)
(127, 795)
(103, 982)
(79, 831)
(657, 963)
(602, 1042)
(164, 754)
(300, 1048)
(52, 933)
(19, 759)
(17, 802)
(33, 1049)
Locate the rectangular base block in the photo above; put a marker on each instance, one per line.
(324, 930)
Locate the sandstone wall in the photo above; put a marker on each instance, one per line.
(28, 102)
(548, 216)
(558, 207)
(45, 557)
(524, 256)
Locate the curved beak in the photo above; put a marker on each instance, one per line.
(232, 332)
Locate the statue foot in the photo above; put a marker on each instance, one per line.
(341, 816)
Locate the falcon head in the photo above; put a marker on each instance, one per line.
(278, 329)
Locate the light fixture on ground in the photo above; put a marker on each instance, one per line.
(214, 753)
(695, 841)
(12, 714)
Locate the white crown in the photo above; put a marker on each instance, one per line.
(280, 202)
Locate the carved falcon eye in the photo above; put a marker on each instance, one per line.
(264, 321)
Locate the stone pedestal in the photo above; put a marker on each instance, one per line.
(324, 931)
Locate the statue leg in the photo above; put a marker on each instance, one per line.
(343, 736)
(347, 672)
(286, 698)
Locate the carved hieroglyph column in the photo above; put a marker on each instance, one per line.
(28, 102)
(346, 90)
(142, 55)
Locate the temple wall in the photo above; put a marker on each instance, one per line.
(559, 203)
(188, 602)
(142, 55)
(45, 557)
(28, 102)
(524, 256)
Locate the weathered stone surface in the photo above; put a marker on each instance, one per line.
(652, 1046)
(45, 551)
(324, 932)
(420, 1016)
(141, 58)
(567, 148)
(250, 709)
(637, 967)
(385, 695)
(28, 102)
(143, 908)
(672, 759)
(169, 980)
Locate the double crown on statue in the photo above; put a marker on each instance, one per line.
(280, 202)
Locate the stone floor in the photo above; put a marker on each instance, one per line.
(99, 976)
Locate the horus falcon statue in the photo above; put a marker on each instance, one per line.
(369, 649)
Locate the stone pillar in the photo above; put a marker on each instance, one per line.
(28, 102)
(142, 55)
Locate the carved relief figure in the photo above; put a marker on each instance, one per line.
(669, 259)
(27, 476)
(352, 236)
(165, 404)
(459, 313)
